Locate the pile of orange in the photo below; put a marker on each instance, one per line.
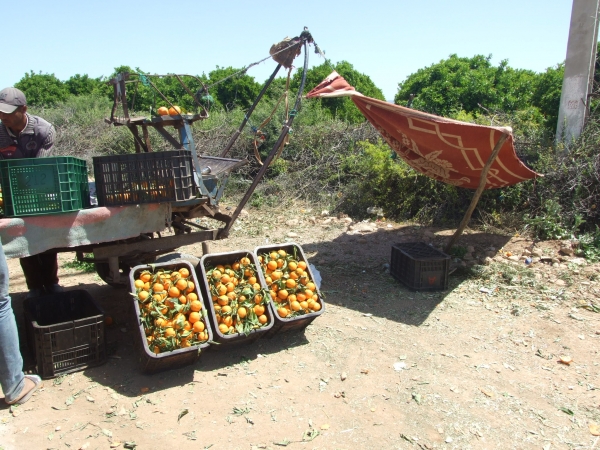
(172, 111)
(171, 310)
(290, 285)
(136, 192)
(239, 301)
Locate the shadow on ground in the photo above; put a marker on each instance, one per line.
(122, 370)
(355, 273)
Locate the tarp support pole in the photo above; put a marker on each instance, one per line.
(478, 192)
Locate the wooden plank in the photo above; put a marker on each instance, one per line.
(478, 192)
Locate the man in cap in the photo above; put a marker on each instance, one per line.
(23, 135)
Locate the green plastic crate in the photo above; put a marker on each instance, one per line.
(36, 186)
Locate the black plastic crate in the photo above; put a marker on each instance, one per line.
(298, 323)
(65, 332)
(157, 362)
(229, 340)
(152, 177)
(420, 266)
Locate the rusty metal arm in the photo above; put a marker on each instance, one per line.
(224, 232)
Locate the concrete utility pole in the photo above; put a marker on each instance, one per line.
(579, 69)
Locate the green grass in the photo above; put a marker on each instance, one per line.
(82, 266)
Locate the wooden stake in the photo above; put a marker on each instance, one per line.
(478, 192)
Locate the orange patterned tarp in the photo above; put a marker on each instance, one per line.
(444, 149)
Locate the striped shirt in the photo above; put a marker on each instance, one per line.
(36, 140)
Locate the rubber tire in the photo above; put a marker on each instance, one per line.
(102, 271)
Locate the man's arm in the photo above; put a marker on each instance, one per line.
(47, 146)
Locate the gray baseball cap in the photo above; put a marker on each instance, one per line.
(10, 99)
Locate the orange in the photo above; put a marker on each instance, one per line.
(227, 320)
(242, 312)
(225, 278)
(182, 299)
(310, 285)
(146, 276)
(308, 293)
(223, 328)
(192, 297)
(295, 306)
(184, 272)
(273, 255)
(258, 298)
(216, 274)
(162, 111)
(196, 305)
(280, 263)
(245, 261)
(160, 322)
(181, 284)
(226, 309)
(143, 295)
(174, 110)
(290, 284)
(222, 290)
(169, 332)
(315, 306)
(157, 287)
(262, 319)
(283, 312)
(194, 317)
(174, 292)
(138, 284)
(272, 265)
(252, 280)
(190, 286)
(259, 310)
(304, 305)
(198, 326)
(276, 275)
(292, 266)
(282, 253)
(282, 294)
(302, 265)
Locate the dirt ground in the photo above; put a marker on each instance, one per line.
(476, 366)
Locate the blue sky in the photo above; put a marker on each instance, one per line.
(387, 40)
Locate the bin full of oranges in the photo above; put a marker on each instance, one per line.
(237, 299)
(296, 300)
(171, 315)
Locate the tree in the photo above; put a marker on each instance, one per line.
(84, 85)
(341, 108)
(467, 84)
(546, 95)
(42, 89)
(233, 89)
